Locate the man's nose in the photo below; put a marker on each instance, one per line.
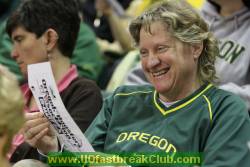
(153, 61)
(14, 53)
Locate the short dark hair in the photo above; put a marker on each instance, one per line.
(37, 16)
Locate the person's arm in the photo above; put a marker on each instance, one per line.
(119, 31)
(118, 25)
(228, 141)
(242, 91)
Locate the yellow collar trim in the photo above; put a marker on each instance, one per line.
(180, 106)
(209, 108)
(132, 93)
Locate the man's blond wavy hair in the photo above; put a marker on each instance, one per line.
(185, 24)
(11, 107)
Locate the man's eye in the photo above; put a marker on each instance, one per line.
(162, 49)
(18, 39)
(143, 53)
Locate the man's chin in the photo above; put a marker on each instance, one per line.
(162, 89)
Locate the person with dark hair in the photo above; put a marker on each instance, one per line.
(46, 31)
(86, 55)
(29, 15)
(182, 111)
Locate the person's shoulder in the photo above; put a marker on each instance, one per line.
(228, 96)
(84, 83)
(131, 93)
(86, 31)
(227, 102)
(81, 88)
(133, 90)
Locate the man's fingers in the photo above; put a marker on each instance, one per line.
(36, 138)
(34, 131)
(34, 115)
(33, 123)
(52, 131)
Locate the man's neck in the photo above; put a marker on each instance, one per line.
(228, 8)
(60, 66)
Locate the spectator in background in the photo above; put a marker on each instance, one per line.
(90, 16)
(230, 22)
(182, 111)
(118, 24)
(11, 112)
(86, 55)
(122, 45)
(50, 34)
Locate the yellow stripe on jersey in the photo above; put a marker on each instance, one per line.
(180, 106)
(209, 108)
(132, 93)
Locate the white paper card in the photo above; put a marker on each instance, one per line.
(43, 86)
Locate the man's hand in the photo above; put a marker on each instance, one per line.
(39, 133)
(103, 8)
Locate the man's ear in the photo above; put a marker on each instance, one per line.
(197, 49)
(50, 39)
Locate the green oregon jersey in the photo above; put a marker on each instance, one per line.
(210, 121)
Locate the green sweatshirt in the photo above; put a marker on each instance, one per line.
(210, 121)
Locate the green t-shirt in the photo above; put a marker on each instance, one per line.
(211, 121)
(87, 55)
